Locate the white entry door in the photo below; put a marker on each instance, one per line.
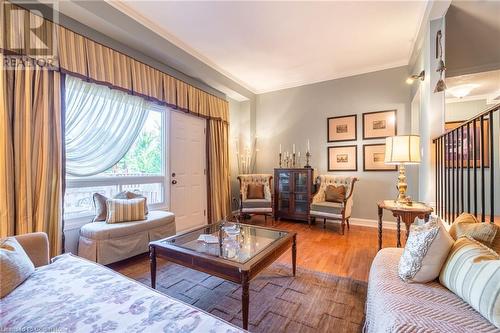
(188, 182)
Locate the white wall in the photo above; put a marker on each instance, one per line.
(297, 114)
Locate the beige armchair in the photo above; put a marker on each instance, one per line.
(256, 206)
(320, 208)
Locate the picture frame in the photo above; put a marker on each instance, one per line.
(451, 158)
(374, 156)
(342, 128)
(342, 158)
(379, 124)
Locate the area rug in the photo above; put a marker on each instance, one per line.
(310, 302)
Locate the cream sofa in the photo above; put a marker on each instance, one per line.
(106, 243)
(396, 306)
(75, 295)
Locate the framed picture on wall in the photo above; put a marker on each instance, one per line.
(379, 124)
(453, 155)
(374, 157)
(343, 158)
(342, 128)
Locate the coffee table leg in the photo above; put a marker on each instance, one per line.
(294, 254)
(245, 298)
(152, 262)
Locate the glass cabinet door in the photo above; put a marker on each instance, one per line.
(284, 183)
(301, 195)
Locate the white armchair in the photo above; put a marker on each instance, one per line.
(333, 210)
(256, 206)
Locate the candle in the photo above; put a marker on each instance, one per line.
(280, 148)
(298, 155)
(308, 146)
(293, 148)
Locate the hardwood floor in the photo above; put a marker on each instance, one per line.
(318, 249)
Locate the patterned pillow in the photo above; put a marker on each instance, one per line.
(425, 252)
(467, 225)
(472, 272)
(15, 265)
(125, 210)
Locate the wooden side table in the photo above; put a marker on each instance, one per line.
(402, 212)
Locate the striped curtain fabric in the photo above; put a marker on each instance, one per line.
(219, 188)
(30, 154)
(125, 210)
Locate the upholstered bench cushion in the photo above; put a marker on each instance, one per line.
(102, 230)
(327, 207)
(256, 203)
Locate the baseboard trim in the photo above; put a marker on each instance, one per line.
(372, 223)
(392, 225)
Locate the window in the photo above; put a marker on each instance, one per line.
(141, 169)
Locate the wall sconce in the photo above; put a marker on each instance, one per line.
(440, 86)
(420, 76)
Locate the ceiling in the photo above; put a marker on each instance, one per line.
(484, 85)
(266, 46)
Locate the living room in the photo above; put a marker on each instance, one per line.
(260, 166)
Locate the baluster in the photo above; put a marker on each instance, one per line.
(483, 199)
(468, 167)
(454, 140)
(474, 160)
(462, 209)
(442, 167)
(492, 170)
(448, 174)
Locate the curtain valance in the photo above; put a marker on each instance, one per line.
(81, 56)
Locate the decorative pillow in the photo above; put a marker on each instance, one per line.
(255, 191)
(467, 225)
(472, 272)
(99, 207)
(15, 265)
(131, 195)
(125, 210)
(335, 193)
(425, 252)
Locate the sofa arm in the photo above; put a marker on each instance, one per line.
(36, 245)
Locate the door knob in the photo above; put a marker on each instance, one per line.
(174, 181)
(173, 174)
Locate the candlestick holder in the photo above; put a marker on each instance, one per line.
(280, 155)
(293, 160)
(308, 156)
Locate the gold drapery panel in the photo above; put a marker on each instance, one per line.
(219, 188)
(79, 55)
(30, 153)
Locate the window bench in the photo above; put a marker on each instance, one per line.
(107, 243)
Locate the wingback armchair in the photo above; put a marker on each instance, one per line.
(338, 211)
(261, 206)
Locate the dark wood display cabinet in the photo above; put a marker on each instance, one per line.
(293, 190)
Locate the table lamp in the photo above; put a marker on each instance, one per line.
(402, 150)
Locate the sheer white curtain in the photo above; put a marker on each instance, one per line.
(101, 126)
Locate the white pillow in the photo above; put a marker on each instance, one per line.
(15, 265)
(425, 252)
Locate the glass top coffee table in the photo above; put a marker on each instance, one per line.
(235, 252)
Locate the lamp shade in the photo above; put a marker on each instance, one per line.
(402, 149)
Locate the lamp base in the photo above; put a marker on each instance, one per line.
(402, 186)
